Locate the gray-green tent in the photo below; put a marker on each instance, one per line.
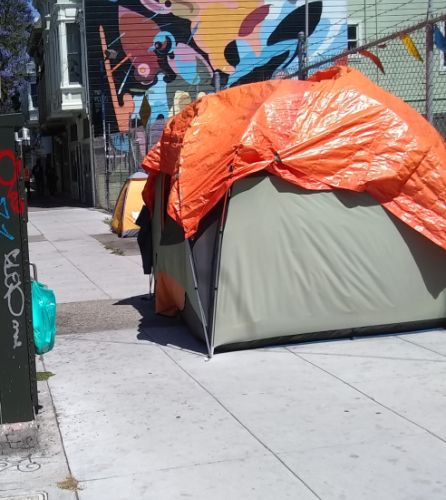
(277, 263)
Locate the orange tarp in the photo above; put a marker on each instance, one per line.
(337, 130)
(170, 296)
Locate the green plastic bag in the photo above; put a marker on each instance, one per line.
(44, 317)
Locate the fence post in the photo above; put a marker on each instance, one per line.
(302, 55)
(107, 151)
(217, 82)
(429, 67)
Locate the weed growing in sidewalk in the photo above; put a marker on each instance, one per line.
(113, 250)
(108, 221)
(70, 483)
(44, 376)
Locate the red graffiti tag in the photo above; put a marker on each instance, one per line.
(17, 204)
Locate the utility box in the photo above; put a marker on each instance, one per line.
(18, 388)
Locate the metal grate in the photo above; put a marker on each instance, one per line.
(27, 496)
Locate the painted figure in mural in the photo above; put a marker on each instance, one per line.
(155, 56)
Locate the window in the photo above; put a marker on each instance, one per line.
(353, 36)
(74, 53)
(34, 95)
(73, 132)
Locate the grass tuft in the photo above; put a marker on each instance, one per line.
(44, 376)
(113, 250)
(70, 483)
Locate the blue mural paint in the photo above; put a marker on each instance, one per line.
(169, 47)
(157, 99)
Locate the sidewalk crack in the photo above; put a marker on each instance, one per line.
(80, 270)
(247, 429)
(58, 427)
(388, 408)
(422, 346)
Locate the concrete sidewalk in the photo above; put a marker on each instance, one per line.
(70, 259)
(136, 410)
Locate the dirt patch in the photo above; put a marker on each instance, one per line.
(98, 315)
(118, 246)
(70, 483)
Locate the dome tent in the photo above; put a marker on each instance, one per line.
(128, 206)
(315, 212)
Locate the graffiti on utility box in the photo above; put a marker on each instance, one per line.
(11, 207)
(18, 388)
(9, 175)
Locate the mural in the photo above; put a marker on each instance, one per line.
(149, 58)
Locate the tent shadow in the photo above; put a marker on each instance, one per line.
(162, 330)
(424, 251)
(419, 246)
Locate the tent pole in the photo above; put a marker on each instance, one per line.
(200, 305)
(217, 260)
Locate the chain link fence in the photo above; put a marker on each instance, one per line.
(405, 63)
(120, 158)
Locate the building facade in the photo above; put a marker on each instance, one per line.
(64, 145)
(111, 72)
(148, 59)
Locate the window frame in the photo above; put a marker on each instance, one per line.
(77, 54)
(442, 55)
(359, 35)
